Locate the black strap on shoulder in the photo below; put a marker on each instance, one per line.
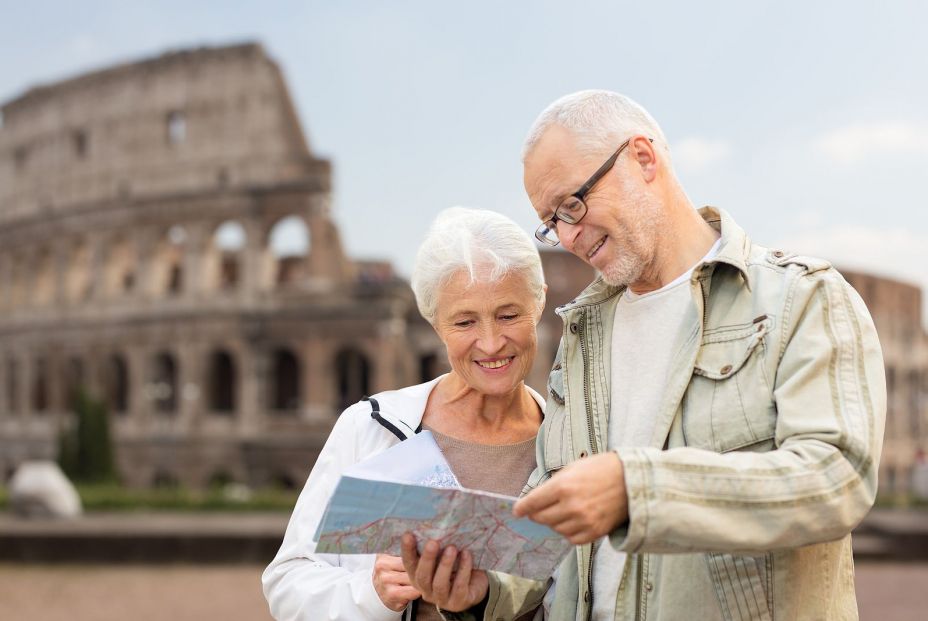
(375, 414)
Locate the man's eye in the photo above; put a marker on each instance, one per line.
(569, 209)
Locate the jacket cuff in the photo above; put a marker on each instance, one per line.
(637, 469)
(375, 609)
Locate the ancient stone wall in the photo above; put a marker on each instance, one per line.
(140, 207)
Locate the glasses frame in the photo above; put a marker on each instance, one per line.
(551, 223)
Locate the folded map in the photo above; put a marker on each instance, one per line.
(367, 516)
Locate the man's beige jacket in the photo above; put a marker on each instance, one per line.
(763, 459)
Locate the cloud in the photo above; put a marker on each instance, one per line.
(853, 143)
(696, 154)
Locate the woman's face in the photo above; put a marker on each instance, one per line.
(488, 329)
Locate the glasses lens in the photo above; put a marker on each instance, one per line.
(571, 210)
(547, 233)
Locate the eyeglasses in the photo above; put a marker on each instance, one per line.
(573, 208)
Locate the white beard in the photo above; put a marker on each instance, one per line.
(636, 248)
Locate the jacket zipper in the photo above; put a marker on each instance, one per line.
(593, 447)
(638, 580)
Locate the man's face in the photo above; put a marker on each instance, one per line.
(619, 232)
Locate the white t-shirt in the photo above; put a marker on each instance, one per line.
(643, 335)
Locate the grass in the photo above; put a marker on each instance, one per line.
(112, 497)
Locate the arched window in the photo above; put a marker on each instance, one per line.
(289, 244)
(285, 380)
(228, 244)
(116, 383)
(222, 382)
(352, 372)
(73, 380)
(12, 385)
(428, 367)
(163, 385)
(40, 386)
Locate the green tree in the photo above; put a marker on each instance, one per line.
(85, 450)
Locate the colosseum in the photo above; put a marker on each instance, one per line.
(166, 242)
(140, 212)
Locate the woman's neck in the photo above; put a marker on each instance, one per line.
(456, 409)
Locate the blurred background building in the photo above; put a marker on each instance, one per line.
(166, 242)
(145, 212)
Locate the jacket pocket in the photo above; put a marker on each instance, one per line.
(729, 405)
(743, 586)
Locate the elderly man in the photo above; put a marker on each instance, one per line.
(715, 411)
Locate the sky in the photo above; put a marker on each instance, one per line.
(807, 121)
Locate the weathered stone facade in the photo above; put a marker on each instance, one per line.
(119, 193)
(896, 308)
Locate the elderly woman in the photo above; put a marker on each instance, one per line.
(478, 281)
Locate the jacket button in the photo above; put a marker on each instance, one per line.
(649, 587)
(586, 596)
(725, 370)
(778, 253)
(573, 328)
(582, 454)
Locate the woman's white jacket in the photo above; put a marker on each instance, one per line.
(301, 585)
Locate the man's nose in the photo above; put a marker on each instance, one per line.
(568, 233)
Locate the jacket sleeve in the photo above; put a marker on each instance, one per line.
(301, 585)
(821, 478)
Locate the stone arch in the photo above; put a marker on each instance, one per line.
(116, 383)
(40, 387)
(43, 293)
(78, 276)
(222, 382)
(73, 379)
(167, 264)
(19, 285)
(352, 376)
(428, 366)
(224, 257)
(119, 272)
(163, 384)
(285, 380)
(288, 245)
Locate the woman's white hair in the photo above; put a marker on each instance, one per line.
(600, 120)
(483, 244)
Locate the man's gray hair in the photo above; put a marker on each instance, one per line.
(483, 244)
(600, 120)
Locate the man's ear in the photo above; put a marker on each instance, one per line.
(644, 153)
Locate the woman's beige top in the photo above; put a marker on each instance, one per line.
(497, 468)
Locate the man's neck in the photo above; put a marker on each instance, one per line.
(685, 241)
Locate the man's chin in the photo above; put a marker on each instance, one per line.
(620, 275)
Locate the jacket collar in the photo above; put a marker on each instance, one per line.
(733, 251)
(404, 408)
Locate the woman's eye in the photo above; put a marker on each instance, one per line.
(508, 317)
(463, 323)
